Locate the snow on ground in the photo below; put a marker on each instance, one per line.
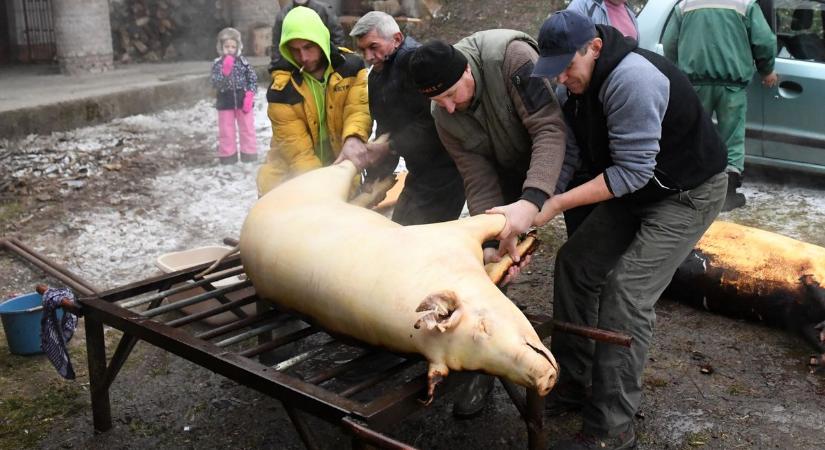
(116, 243)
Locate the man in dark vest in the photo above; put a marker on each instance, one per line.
(636, 123)
(503, 128)
(433, 191)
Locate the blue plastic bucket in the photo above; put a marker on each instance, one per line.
(21, 322)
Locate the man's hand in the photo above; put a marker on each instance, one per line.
(549, 210)
(376, 151)
(520, 216)
(355, 151)
(492, 255)
(770, 80)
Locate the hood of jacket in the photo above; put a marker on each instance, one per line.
(615, 46)
(229, 33)
(303, 23)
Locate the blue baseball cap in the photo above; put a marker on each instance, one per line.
(561, 35)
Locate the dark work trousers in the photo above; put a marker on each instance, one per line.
(420, 204)
(609, 274)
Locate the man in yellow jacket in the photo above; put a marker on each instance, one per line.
(317, 102)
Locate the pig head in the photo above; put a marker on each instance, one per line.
(417, 289)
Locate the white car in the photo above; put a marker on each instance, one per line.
(785, 125)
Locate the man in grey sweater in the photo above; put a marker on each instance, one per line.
(658, 178)
(504, 130)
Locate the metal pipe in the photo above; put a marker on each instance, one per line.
(210, 312)
(196, 299)
(50, 267)
(251, 333)
(371, 436)
(320, 377)
(283, 337)
(287, 363)
(378, 377)
(182, 288)
(245, 322)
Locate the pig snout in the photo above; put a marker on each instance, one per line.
(543, 370)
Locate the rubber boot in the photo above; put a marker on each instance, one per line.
(228, 160)
(249, 157)
(474, 396)
(733, 199)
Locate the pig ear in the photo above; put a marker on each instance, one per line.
(440, 310)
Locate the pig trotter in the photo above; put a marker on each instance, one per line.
(435, 376)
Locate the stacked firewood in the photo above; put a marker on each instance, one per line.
(164, 30)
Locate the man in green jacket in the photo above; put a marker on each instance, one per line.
(716, 45)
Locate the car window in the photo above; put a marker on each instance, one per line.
(799, 29)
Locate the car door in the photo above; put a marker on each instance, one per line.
(793, 134)
(653, 20)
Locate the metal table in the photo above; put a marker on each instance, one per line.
(309, 372)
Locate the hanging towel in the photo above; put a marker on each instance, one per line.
(55, 334)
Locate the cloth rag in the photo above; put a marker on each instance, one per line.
(55, 334)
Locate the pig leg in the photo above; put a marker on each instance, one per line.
(435, 375)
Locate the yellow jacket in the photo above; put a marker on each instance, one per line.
(294, 116)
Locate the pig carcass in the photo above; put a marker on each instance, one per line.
(418, 289)
(754, 274)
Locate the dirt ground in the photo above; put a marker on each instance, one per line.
(105, 201)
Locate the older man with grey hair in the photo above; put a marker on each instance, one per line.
(434, 191)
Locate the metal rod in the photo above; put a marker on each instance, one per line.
(99, 391)
(320, 377)
(210, 312)
(544, 325)
(251, 333)
(371, 436)
(279, 340)
(516, 396)
(196, 299)
(536, 436)
(610, 337)
(182, 288)
(286, 364)
(375, 379)
(50, 267)
(238, 324)
(304, 432)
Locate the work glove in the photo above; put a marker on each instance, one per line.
(248, 99)
(228, 62)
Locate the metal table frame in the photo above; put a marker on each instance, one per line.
(137, 310)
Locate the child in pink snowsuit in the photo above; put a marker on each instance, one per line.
(236, 83)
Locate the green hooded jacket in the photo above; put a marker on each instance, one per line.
(304, 23)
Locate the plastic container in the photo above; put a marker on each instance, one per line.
(21, 321)
(172, 262)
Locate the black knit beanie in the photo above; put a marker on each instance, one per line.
(436, 67)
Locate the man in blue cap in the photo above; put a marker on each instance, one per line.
(635, 122)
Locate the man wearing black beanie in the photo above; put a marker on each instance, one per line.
(505, 131)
